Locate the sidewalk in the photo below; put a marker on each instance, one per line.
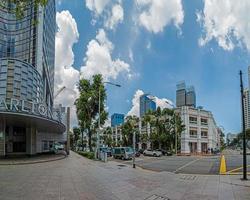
(78, 178)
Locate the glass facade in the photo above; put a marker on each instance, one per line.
(117, 119)
(146, 103)
(28, 43)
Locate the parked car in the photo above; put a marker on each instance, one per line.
(123, 153)
(107, 150)
(149, 152)
(162, 151)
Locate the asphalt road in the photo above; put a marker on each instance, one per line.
(190, 164)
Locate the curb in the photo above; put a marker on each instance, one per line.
(33, 162)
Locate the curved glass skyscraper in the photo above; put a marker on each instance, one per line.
(27, 53)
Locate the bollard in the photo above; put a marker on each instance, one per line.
(223, 167)
(105, 157)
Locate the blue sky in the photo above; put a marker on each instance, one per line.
(167, 53)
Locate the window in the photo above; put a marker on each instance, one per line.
(45, 146)
(203, 134)
(204, 121)
(193, 120)
(193, 133)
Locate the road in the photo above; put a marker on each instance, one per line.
(189, 164)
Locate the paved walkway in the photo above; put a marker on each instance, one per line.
(78, 178)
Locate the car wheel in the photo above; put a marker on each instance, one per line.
(154, 155)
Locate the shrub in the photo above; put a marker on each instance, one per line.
(89, 155)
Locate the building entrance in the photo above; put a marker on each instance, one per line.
(15, 139)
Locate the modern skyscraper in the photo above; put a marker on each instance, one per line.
(117, 119)
(190, 97)
(147, 102)
(185, 96)
(181, 94)
(27, 52)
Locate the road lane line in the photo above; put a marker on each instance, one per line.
(187, 164)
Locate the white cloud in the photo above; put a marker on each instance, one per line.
(98, 59)
(97, 6)
(227, 22)
(135, 110)
(110, 12)
(65, 74)
(116, 17)
(163, 103)
(156, 14)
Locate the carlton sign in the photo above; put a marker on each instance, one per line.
(22, 106)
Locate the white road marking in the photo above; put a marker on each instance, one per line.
(187, 164)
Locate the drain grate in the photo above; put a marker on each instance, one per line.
(157, 197)
(122, 165)
(188, 177)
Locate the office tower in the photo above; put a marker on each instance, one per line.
(190, 97)
(246, 108)
(147, 102)
(181, 94)
(27, 52)
(117, 119)
(185, 96)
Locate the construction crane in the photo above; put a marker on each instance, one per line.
(59, 91)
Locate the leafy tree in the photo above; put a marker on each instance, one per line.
(76, 137)
(128, 128)
(21, 5)
(87, 105)
(107, 136)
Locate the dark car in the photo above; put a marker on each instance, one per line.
(162, 151)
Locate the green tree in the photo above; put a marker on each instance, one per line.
(76, 137)
(128, 128)
(107, 136)
(21, 5)
(87, 105)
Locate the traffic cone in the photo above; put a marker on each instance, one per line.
(223, 167)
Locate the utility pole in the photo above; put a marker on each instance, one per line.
(243, 130)
(175, 130)
(68, 127)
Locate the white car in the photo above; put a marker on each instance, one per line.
(149, 152)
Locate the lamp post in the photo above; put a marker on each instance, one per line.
(243, 130)
(99, 120)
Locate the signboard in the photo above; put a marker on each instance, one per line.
(28, 107)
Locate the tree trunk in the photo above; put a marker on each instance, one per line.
(90, 141)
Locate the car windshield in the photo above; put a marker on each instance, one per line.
(128, 149)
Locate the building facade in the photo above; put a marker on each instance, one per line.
(185, 96)
(147, 102)
(201, 135)
(28, 121)
(246, 108)
(117, 119)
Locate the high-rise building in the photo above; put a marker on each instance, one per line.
(190, 97)
(147, 102)
(117, 119)
(181, 94)
(185, 96)
(28, 123)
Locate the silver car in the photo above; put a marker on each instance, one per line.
(149, 152)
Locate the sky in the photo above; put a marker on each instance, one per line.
(148, 46)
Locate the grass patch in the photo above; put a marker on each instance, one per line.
(89, 155)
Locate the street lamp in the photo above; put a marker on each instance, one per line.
(99, 120)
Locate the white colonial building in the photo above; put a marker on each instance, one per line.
(201, 135)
